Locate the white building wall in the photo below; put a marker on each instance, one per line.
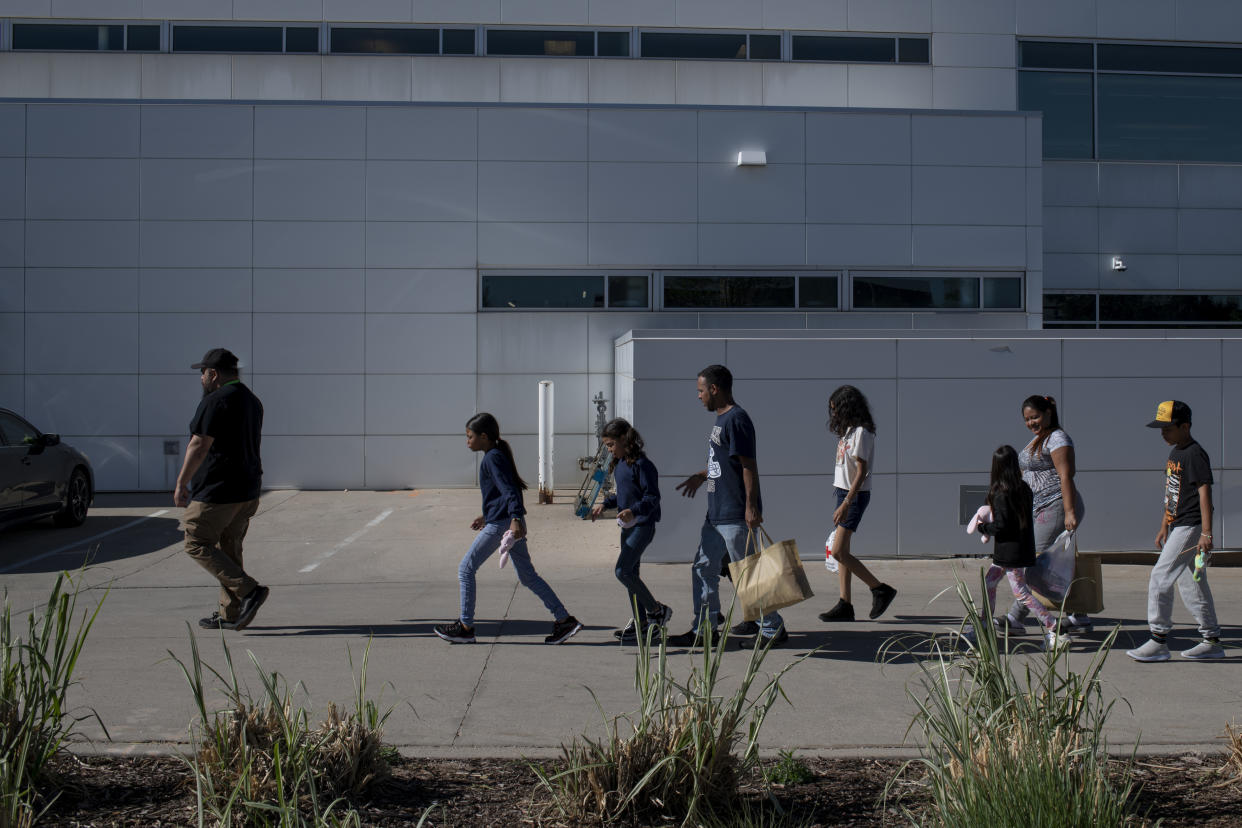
(336, 250)
(942, 403)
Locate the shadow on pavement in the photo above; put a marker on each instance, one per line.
(41, 547)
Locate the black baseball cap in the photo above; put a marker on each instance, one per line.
(1170, 412)
(217, 358)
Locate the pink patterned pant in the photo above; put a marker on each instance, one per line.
(1017, 582)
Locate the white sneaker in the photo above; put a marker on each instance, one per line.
(1079, 622)
(1054, 640)
(1008, 624)
(1153, 650)
(1204, 650)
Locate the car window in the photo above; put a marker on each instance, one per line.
(16, 432)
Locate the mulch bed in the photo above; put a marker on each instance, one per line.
(159, 791)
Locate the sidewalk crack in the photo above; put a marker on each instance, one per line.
(491, 648)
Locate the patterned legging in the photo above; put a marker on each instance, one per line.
(1017, 581)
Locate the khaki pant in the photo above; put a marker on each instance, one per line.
(213, 537)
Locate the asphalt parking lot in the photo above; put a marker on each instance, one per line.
(348, 567)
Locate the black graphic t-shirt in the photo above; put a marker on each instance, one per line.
(1188, 469)
(732, 437)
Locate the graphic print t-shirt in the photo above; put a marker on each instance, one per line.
(1038, 470)
(732, 437)
(857, 444)
(1188, 469)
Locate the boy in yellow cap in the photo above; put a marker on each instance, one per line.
(1185, 532)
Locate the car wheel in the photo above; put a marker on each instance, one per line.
(77, 500)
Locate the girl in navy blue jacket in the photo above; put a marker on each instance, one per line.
(504, 516)
(638, 502)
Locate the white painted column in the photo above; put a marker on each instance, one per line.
(547, 430)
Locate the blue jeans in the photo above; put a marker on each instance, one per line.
(634, 541)
(715, 541)
(487, 542)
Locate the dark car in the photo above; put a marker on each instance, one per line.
(41, 476)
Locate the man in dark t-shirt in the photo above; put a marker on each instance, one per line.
(219, 486)
(734, 507)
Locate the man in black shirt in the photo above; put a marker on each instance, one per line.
(219, 486)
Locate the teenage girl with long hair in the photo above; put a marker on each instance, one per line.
(1013, 539)
(503, 513)
(637, 500)
(849, 417)
(1048, 467)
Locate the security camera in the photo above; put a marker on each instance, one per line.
(1118, 264)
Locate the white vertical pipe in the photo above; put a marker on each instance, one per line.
(547, 429)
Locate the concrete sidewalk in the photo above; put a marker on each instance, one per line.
(344, 567)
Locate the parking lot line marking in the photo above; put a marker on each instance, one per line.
(375, 521)
(76, 544)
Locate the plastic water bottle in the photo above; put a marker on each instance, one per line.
(829, 561)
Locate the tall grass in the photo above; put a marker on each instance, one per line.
(264, 762)
(1014, 739)
(681, 755)
(35, 676)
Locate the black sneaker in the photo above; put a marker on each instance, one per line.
(843, 611)
(660, 616)
(628, 631)
(773, 641)
(746, 629)
(216, 622)
(881, 597)
(249, 606)
(457, 632)
(562, 631)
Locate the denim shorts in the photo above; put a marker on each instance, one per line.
(855, 513)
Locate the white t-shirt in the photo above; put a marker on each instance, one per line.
(857, 444)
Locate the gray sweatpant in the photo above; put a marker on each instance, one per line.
(1176, 565)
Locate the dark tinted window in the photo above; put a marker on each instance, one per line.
(385, 41)
(1065, 100)
(301, 39)
(227, 39)
(913, 50)
(16, 432)
(851, 49)
(1069, 307)
(628, 292)
(614, 44)
(693, 45)
(817, 292)
(143, 39)
(72, 38)
(1194, 59)
(556, 43)
(1037, 55)
(1171, 308)
(710, 291)
(1002, 292)
(542, 291)
(1163, 118)
(872, 292)
(765, 47)
(459, 41)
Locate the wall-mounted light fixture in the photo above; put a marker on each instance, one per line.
(752, 158)
(1118, 264)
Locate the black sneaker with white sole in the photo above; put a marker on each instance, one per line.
(881, 597)
(216, 622)
(456, 633)
(773, 641)
(628, 631)
(563, 630)
(250, 606)
(661, 616)
(746, 629)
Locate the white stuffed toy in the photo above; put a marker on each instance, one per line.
(984, 515)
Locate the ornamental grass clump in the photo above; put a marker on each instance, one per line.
(1014, 738)
(1232, 769)
(35, 676)
(264, 762)
(680, 757)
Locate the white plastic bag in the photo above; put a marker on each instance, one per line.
(829, 561)
(1054, 570)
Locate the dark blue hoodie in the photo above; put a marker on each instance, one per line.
(638, 489)
(502, 496)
